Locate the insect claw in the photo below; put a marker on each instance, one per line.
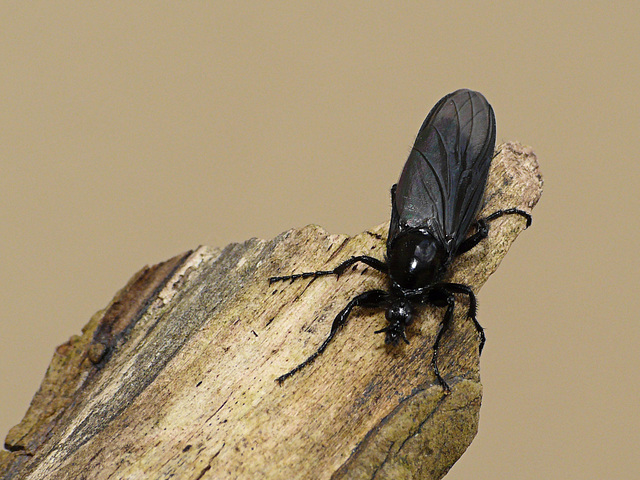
(446, 389)
(443, 383)
(528, 222)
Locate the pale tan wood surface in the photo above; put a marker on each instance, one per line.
(176, 376)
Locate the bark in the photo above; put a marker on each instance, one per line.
(176, 376)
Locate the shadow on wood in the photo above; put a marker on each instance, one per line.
(176, 376)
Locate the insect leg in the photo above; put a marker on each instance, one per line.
(339, 270)
(482, 228)
(370, 299)
(473, 308)
(511, 211)
(444, 326)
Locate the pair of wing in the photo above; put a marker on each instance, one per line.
(443, 181)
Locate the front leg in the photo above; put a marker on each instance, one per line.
(444, 326)
(473, 308)
(339, 270)
(370, 299)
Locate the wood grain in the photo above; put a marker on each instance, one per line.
(176, 376)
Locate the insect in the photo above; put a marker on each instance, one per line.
(433, 210)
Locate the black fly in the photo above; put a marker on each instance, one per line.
(433, 207)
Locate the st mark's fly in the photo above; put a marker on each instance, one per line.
(433, 212)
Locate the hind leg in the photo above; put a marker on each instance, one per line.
(482, 228)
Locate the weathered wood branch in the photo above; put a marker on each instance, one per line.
(176, 376)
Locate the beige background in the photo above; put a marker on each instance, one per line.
(129, 134)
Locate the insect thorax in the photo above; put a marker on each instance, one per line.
(416, 260)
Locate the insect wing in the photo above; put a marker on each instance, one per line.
(394, 225)
(442, 183)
